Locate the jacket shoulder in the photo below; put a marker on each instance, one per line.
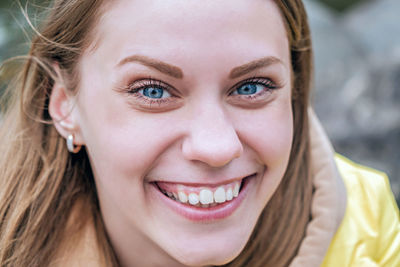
(369, 234)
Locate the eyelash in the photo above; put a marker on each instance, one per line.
(134, 88)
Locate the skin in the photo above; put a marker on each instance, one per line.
(204, 133)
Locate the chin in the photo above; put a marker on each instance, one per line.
(213, 252)
(215, 258)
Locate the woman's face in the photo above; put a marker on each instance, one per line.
(192, 99)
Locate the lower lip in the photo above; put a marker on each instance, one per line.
(199, 214)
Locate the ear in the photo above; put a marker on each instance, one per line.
(62, 109)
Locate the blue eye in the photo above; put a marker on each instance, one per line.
(154, 92)
(249, 89)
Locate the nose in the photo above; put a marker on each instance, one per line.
(212, 139)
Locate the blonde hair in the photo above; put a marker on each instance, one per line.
(40, 182)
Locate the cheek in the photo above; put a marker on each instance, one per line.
(269, 132)
(122, 144)
(128, 147)
(121, 155)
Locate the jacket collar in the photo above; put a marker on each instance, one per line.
(329, 199)
(327, 211)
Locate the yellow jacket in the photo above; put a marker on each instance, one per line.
(354, 218)
(369, 234)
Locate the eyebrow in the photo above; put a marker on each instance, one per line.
(176, 72)
(155, 64)
(253, 65)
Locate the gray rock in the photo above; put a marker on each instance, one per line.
(333, 47)
(336, 57)
(376, 25)
(357, 83)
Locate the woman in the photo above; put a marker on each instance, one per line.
(188, 143)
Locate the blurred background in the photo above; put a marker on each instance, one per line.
(357, 74)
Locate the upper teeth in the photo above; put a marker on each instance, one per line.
(203, 196)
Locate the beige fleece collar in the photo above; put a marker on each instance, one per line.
(329, 199)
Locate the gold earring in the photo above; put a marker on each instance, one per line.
(70, 144)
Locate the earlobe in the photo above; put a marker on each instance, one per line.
(61, 107)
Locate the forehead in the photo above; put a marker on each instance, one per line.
(183, 29)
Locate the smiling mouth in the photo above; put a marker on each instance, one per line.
(202, 196)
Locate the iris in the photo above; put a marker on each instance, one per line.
(247, 89)
(153, 92)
